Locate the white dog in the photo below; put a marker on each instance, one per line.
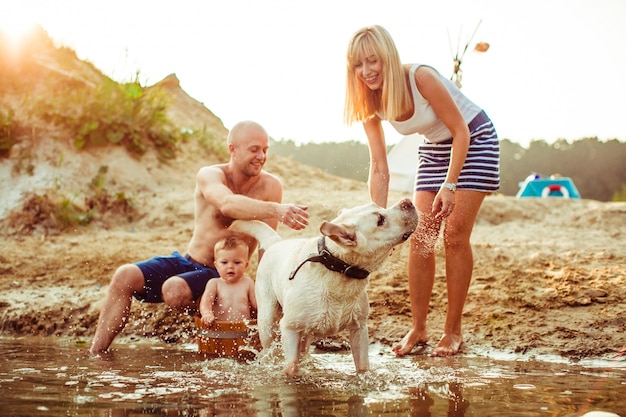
(318, 285)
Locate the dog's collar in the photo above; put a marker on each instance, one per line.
(331, 262)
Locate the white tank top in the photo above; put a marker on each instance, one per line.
(424, 119)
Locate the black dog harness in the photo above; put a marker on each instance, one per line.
(331, 262)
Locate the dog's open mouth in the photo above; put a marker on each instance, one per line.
(406, 235)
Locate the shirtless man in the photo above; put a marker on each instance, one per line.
(239, 189)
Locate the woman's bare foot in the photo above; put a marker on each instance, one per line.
(413, 338)
(449, 345)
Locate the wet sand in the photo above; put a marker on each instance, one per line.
(549, 274)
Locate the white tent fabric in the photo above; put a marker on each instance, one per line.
(402, 160)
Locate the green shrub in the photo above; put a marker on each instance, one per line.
(111, 113)
(7, 129)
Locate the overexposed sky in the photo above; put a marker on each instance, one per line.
(555, 68)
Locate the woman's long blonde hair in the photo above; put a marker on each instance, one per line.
(394, 99)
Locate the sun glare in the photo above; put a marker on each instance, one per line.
(15, 29)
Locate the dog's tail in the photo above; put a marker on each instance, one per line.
(262, 232)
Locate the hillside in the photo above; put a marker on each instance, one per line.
(549, 273)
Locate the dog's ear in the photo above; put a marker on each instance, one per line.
(340, 234)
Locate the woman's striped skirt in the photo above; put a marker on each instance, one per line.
(481, 171)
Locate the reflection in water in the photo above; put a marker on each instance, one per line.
(421, 402)
(63, 379)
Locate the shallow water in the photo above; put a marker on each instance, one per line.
(51, 377)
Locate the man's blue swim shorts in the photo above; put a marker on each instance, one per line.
(160, 268)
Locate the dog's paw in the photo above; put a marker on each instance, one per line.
(292, 369)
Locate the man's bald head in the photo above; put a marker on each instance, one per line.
(243, 131)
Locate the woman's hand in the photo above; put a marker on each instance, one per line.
(444, 203)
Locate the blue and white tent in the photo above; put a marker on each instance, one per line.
(536, 186)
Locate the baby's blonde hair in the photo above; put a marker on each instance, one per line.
(394, 99)
(231, 242)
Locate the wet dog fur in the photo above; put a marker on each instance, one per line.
(317, 302)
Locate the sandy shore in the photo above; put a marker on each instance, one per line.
(549, 273)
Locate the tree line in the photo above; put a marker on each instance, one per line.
(596, 167)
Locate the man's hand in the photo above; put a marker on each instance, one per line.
(294, 216)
